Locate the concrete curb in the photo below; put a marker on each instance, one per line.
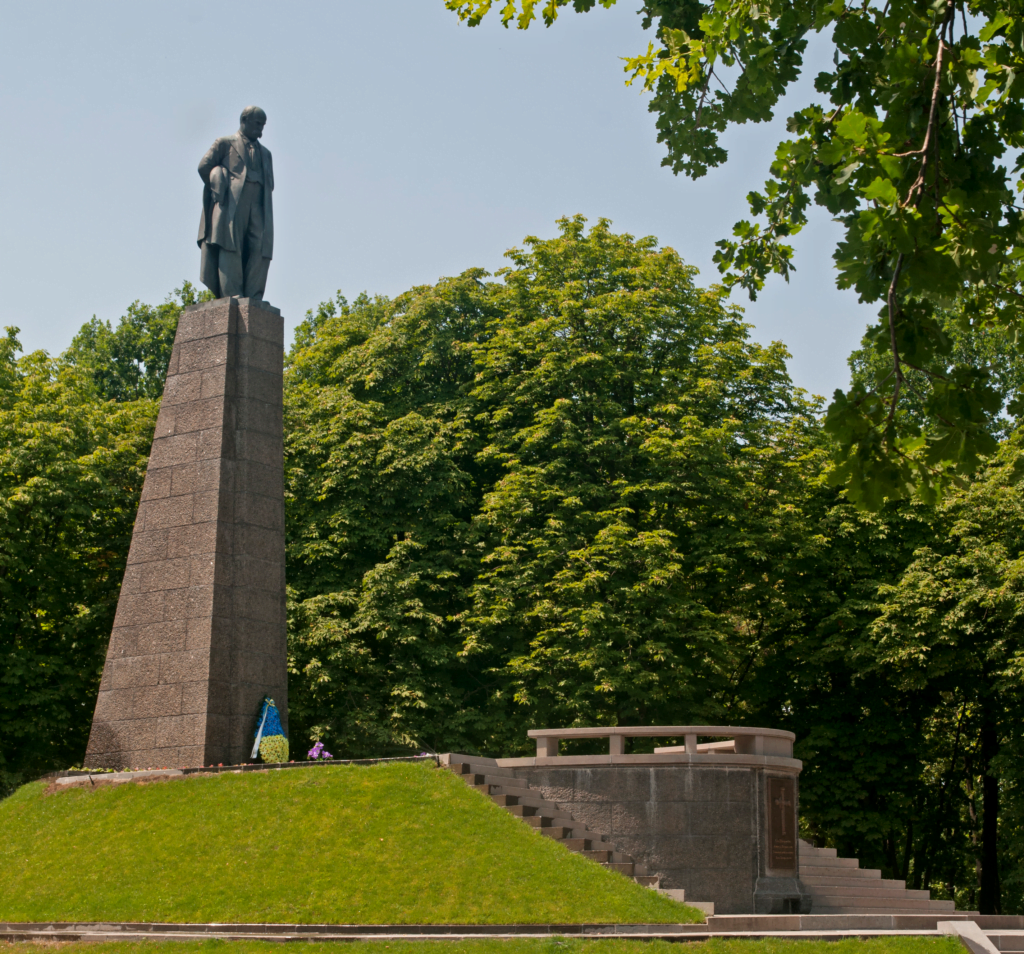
(449, 936)
(133, 775)
(727, 925)
(766, 926)
(126, 930)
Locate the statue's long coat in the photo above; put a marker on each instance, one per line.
(223, 171)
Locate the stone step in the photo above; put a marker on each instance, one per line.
(528, 811)
(1008, 943)
(558, 832)
(817, 861)
(839, 886)
(507, 785)
(554, 827)
(853, 884)
(913, 923)
(516, 797)
(865, 890)
(611, 857)
(546, 820)
(814, 871)
(521, 796)
(621, 868)
(547, 817)
(863, 904)
(570, 832)
(528, 796)
(533, 800)
(504, 801)
(473, 767)
(875, 911)
(807, 848)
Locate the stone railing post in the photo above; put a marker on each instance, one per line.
(547, 747)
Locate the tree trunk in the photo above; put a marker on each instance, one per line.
(989, 901)
(908, 849)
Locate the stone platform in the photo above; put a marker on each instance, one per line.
(199, 635)
(717, 820)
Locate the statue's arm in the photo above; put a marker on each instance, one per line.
(269, 168)
(214, 157)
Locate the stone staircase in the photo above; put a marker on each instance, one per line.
(517, 798)
(835, 885)
(840, 886)
(1009, 942)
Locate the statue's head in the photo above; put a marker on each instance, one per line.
(252, 121)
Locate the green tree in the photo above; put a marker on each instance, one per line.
(75, 435)
(650, 489)
(902, 682)
(71, 471)
(552, 497)
(382, 486)
(907, 145)
(130, 361)
(987, 351)
(950, 632)
(811, 669)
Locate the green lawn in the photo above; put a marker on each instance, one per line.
(390, 844)
(890, 945)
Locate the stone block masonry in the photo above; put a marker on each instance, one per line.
(700, 826)
(199, 635)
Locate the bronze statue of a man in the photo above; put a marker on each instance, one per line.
(236, 231)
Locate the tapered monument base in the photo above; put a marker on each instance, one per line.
(199, 636)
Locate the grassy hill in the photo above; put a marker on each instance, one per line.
(388, 844)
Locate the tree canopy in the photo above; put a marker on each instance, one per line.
(75, 435)
(912, 144)
(574, 492)
(515, 502)
(71, 471)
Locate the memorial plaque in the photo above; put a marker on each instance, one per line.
(782, 824)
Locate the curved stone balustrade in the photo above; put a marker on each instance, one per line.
(737, 741)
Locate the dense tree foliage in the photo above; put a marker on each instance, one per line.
(986, 351)
(516, 502)
(71, 471)
(912, 142)
(130, 361)
(950, 635)
(75, 433)
(572, 493)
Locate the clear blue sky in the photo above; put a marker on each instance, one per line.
(406, 147)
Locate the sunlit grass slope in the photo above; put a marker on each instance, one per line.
(390, 844)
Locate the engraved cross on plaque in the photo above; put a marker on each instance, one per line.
(783, 803)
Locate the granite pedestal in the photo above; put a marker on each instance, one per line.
(199, 637)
